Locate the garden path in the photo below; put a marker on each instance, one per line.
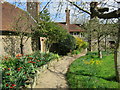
(54, 76)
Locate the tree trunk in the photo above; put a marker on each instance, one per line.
(115, 62)
(99, 51)
(89, 41)
(21, 45)
(118, 61)
(35, 42)
(117, 55)
(105, 44)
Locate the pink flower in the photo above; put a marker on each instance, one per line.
(8, 68)
(19, 55)
(6, 57)
(38, 60)
(30, 57)
(8, 74)
(33, 62)
(18, 69)
(29, 61)
(13, 85)
(7, 85)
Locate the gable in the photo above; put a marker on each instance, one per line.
(72, 27)
(13, 17)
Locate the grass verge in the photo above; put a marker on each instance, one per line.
(91, 72)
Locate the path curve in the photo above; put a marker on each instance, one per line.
(54, 76)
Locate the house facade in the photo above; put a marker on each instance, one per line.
(12, 23)
(73, 29)
(15, 20)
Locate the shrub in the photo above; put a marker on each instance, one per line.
(64, 46)
(80, 44)
(75, 52)
(52, 31)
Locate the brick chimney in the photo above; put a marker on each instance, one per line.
(33, 8)
(67, 18)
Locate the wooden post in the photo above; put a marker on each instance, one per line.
(43, 46)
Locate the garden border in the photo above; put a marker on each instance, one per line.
(33, 81)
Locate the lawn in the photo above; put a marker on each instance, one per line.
(91, 72)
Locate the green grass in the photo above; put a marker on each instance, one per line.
(91, 72)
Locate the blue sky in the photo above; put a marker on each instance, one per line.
(57, 15)
(76, 16)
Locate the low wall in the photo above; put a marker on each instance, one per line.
(10, 45)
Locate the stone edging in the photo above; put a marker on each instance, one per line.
(32, 82)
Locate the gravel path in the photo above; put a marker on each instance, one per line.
(54, 76)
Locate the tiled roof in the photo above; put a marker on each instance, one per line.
(10, 15)
(72, 27)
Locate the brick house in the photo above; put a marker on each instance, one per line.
(11, 15)
(73, 29)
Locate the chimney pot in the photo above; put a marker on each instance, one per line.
(67, 18)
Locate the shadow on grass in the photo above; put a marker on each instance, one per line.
(113, 78)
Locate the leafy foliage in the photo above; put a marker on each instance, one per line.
(80, 44)
(75, 52)
(99, 33)
(17, 70)
(64, 46)
(52, 31)
(44, 16)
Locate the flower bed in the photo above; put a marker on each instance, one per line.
(17, 71)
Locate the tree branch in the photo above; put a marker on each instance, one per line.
(45, 6)
(113, 14)
(95, 12)
(79, 7)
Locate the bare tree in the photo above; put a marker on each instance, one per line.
(22, 27)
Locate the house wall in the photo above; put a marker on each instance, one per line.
(108, 45)
(10, 45)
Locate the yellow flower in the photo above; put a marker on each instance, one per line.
(97, 63)
(92, 62)
(86, 62)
